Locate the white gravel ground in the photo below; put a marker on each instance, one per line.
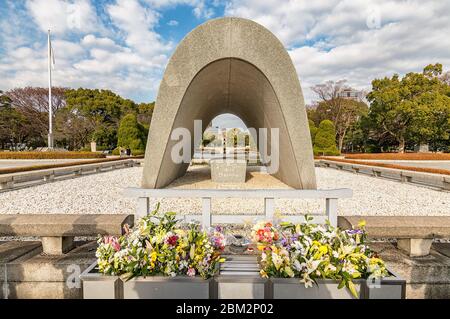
(102, 193)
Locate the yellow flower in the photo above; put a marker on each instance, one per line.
(263, 273)
(316, 243)
(375, 260)
(362, 223)
(323, 249)
(289, 271)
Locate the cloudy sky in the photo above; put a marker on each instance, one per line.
(124, 45)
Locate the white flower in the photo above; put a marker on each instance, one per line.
(263, 257)
(277, 260)
(306, 280)
(297, 266)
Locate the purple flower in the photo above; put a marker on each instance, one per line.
(355, 231)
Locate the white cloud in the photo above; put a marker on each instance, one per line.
(354, 40)
(91, 41)
(119, 47)
(62, 15)
(138, 24)
(172, 23)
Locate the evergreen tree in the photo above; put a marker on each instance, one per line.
(325, 139)
(131, 133)
(313, 130)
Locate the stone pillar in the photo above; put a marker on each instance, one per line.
(415, 247)
(56, 245)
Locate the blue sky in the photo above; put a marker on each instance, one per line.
(124, 45)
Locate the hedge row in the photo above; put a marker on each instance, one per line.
(133, 152)
(50, 155)
(386, 165)
(50, 166)
(401, 156)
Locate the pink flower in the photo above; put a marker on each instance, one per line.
(113, 241)
(191, 272)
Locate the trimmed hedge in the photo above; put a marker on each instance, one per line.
(401, 156)
(49, 166)
(50, 155)
(325, 139)
(312, 130)
(403, 167)
(131, 133)
(133, 152)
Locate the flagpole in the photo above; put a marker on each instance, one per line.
(50, 111)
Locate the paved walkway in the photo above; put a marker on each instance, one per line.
(24, 162)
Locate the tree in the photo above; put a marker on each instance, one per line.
(324, 141)
(103, 109)
(236, 138)
(73, 131)
(131, 133)
(5, 100)
(208, 138)
(312, 129)
(333, 105)
(145, 113)
(12, 123)
(32, 104)
(413, 109)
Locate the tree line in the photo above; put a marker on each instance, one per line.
(80, 117)
(398, 114)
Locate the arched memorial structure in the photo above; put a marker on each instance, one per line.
(231, 65)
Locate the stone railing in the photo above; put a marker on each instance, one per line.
(30, 178)
(57, 231)
(330, 196)
(438, 181)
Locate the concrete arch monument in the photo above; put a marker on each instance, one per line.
(231, 65)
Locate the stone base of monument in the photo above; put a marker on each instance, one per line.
(228, 170)
(238, 278)
(27, 273)
(290, 288)
(99, 286)
(163, 287)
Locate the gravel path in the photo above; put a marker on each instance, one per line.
(102, 193)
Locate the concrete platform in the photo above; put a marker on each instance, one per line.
(35, 275)
(426, 277)
(30, 274)
(400, 226)
(414, 234)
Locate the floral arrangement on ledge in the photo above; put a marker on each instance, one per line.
(157, 246)
(310, 252)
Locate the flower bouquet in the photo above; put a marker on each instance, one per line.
(157, 246)
(311, 252)
(158, 258)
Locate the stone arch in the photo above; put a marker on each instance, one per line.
(231, 65)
